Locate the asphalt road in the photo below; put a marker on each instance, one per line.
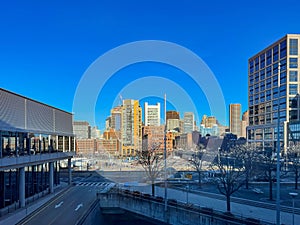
(69, 207)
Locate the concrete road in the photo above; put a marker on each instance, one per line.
(69, 207)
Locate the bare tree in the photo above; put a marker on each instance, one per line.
(152, 163)
(196, 162)
(293, 156)
(231, 175)
(267, 164)
(249, 156)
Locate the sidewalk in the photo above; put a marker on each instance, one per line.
(18, 215)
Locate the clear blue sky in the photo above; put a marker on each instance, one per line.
(46, 46)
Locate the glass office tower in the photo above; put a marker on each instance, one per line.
(267, 89)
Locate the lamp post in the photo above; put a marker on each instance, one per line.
(187, 193)
(165, 158)
(293, 195)
(278, 154)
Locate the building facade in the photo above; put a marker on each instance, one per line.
(152, 114)
(82, 129)
(34, 138)
(235, 119)
(116, 118)
(188, 122)
(131, 127)
(273, 81)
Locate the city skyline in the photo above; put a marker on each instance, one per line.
(48, 56)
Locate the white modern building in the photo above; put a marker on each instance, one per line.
(152, 114)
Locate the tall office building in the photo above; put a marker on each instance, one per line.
(172, 115)
(173, 124)
(265, 90)
(152, 114)
(208, 121)
(244, 123)
(82, 129)
(188, 122)
(116, 118)
(95, 133)
(235, 119)
(131, 129)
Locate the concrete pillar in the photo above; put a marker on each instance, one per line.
(51, 177)
(28, 145)
(69, 143)
(64, 148)
(16, 145)
(56, 140)
(69, 171)
(22, 186)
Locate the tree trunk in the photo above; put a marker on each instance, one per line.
(296, 179)
(247, 180)
(270, 186)
(153, 188)
(228, 202)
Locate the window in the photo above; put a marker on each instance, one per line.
(269, 57)
(256, 64)
(293, 63)
(283, 65)
(262, 61)
(283, 77)
(269, 71)
(251, 68)
(275, 53)
(293, 89)
(282, 91)
(262, 75)
(282, 49)
(293, 46)
(293, 76)
(275, 68)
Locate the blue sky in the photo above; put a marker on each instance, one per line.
(46, 46)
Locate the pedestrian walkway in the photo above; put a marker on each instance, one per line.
(238, 209)
(18, 215)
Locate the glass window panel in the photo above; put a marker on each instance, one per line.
(293, 46)
(293, 63)
(293, 76)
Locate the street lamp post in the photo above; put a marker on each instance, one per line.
(293, 195)
(187, 193)
(278, 154)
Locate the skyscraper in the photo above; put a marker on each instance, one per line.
(82, 129)
(172, 115)
(266, 91)
(131, 127)
(244, 124)
(235, 119)
(152, 114)
(116, 114)
(188, 122)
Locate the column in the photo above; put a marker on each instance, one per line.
(16, 144)
(64, 148)
(51, 177)
(56, 140)
(22, 186)
(69, 171)
(69, 143)
(28, 145)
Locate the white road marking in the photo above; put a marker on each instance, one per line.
(79, 206)
(59, 205)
